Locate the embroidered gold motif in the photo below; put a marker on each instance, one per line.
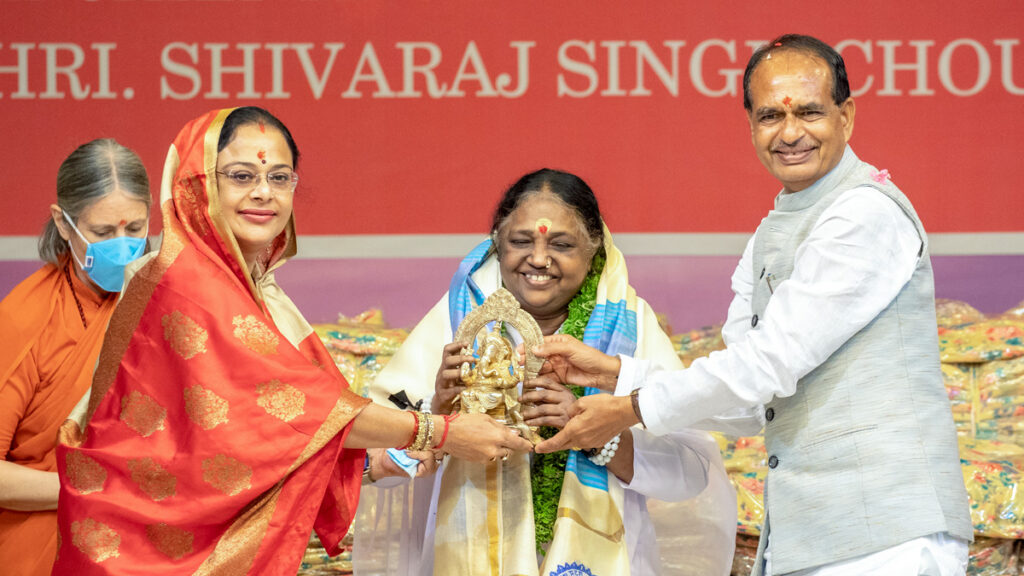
(95, 539)
(174, 542)
(343, 409)
(227, 474)
(84, 474)
(237, 546)
(281, 400)
(205, 408)
(152, 479)
(130, 308)
(185, 336)
(69, 434)
(255, 335)
(142, 414)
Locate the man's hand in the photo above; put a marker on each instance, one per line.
(594, 420)
(573, 362)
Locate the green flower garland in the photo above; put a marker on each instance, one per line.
(548, 470)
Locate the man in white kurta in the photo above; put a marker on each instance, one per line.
(832, 327)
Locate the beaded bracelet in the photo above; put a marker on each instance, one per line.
(606, 454)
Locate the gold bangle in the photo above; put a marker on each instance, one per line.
(421, 430)
(425, 422)
(429, 444)
(424, 432)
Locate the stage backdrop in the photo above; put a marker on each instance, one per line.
(413, 117)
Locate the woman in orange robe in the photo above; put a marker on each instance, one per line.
(52, 325)
(219, 432)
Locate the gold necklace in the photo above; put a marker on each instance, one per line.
(67, 276)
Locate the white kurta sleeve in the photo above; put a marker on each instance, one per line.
(857, 258)
(737, 421)
(672, 467)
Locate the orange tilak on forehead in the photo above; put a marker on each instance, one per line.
(122, 223)
(262, 155)
(787, 101)
(542, 225)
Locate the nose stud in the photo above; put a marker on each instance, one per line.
(548, 265)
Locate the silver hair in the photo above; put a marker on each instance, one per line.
(88, 174)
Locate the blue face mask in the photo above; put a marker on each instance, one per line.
(105, 261)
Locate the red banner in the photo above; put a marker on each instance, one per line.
(413, 117)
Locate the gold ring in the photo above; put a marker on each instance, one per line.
(576, 448)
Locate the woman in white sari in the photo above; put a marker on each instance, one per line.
(550, 249)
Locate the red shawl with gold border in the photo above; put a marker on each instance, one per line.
(213, 437)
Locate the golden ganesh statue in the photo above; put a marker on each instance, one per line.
(492, 385)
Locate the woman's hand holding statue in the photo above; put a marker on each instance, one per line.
(447, 385)
(546, 402)
(479, 437)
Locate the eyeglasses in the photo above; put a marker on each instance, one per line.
(283, 182)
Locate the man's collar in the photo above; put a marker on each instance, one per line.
(808, 196)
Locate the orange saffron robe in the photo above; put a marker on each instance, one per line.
(216, 422)
(46, 364)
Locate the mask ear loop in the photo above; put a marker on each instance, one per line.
(88, 258)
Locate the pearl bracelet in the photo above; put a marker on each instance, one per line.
(605, 455)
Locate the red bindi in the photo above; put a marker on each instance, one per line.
(787, 101)
(262, 155)
(542, 225)
(122, 223)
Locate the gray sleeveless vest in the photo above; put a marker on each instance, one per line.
(864, 455)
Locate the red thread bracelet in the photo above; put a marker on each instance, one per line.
(447, 421)
(415, 429)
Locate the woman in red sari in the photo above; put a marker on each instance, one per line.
(52, 325)
(219, 431)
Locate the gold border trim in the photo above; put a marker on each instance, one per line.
(573, 515)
